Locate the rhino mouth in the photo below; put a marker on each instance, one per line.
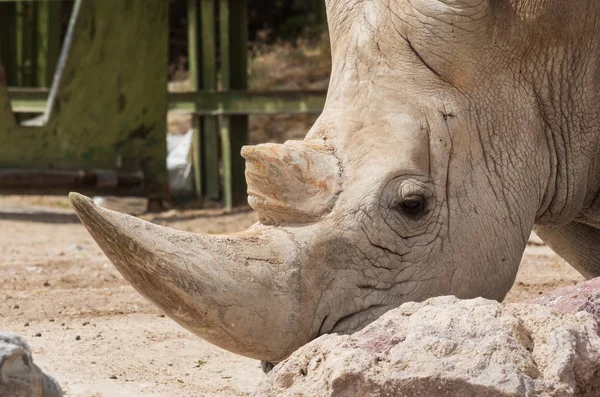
(352, 322)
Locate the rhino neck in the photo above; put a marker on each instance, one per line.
(565, 99)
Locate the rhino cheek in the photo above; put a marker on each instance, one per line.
(355, 281)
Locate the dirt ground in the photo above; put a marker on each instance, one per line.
(99, 338)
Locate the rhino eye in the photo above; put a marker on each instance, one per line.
(413, 205)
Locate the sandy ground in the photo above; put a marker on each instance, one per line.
(99, 338)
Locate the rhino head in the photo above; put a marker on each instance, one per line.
(422, 177)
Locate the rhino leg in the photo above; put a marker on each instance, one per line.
(577, 243)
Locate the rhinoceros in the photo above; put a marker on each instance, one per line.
(450, 129)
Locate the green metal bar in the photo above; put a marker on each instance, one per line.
(224, 121)
(26, 44)
(194, 72)
(8, 42)
(232, 103)
(197, 156)
(226, 157)
(239, 44)
(48, 41)
(210, 132)
(20, 55)
(224, 47)
(193, 43)
(208, 44)
(33, 30)
(238, 33)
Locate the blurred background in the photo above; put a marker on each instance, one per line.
(153, 99)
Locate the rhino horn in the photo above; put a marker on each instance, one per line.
(294, 182)
(236, 291)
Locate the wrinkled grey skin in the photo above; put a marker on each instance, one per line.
(485, 111)
(19, 376)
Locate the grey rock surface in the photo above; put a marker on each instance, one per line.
(19, 376)
(583, 296)
(446, 347)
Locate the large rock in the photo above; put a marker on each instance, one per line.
(579, 297)
(447, 347)
(19, 376)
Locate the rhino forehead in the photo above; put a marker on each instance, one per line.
(372, 142)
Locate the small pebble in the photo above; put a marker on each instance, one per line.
(46, 284)
(51, 320)
(15, 306)
(38, 334)
(78, 337)
(113, 377)
(27, 324)
(85, 323)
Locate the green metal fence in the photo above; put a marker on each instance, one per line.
(219, 100)
(31, 38)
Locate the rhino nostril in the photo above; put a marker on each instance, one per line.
(267, 366)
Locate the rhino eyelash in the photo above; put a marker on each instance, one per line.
(421, 58)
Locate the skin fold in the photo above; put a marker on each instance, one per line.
(451, 128)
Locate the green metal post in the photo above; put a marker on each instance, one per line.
(194, 70)
(224, 27)
(238, 61)
(47, 48)
(8, 42)
(99, 117)
(26, 44)
(20, 43)
(210, 133)
(32, 28)
(225, 121)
